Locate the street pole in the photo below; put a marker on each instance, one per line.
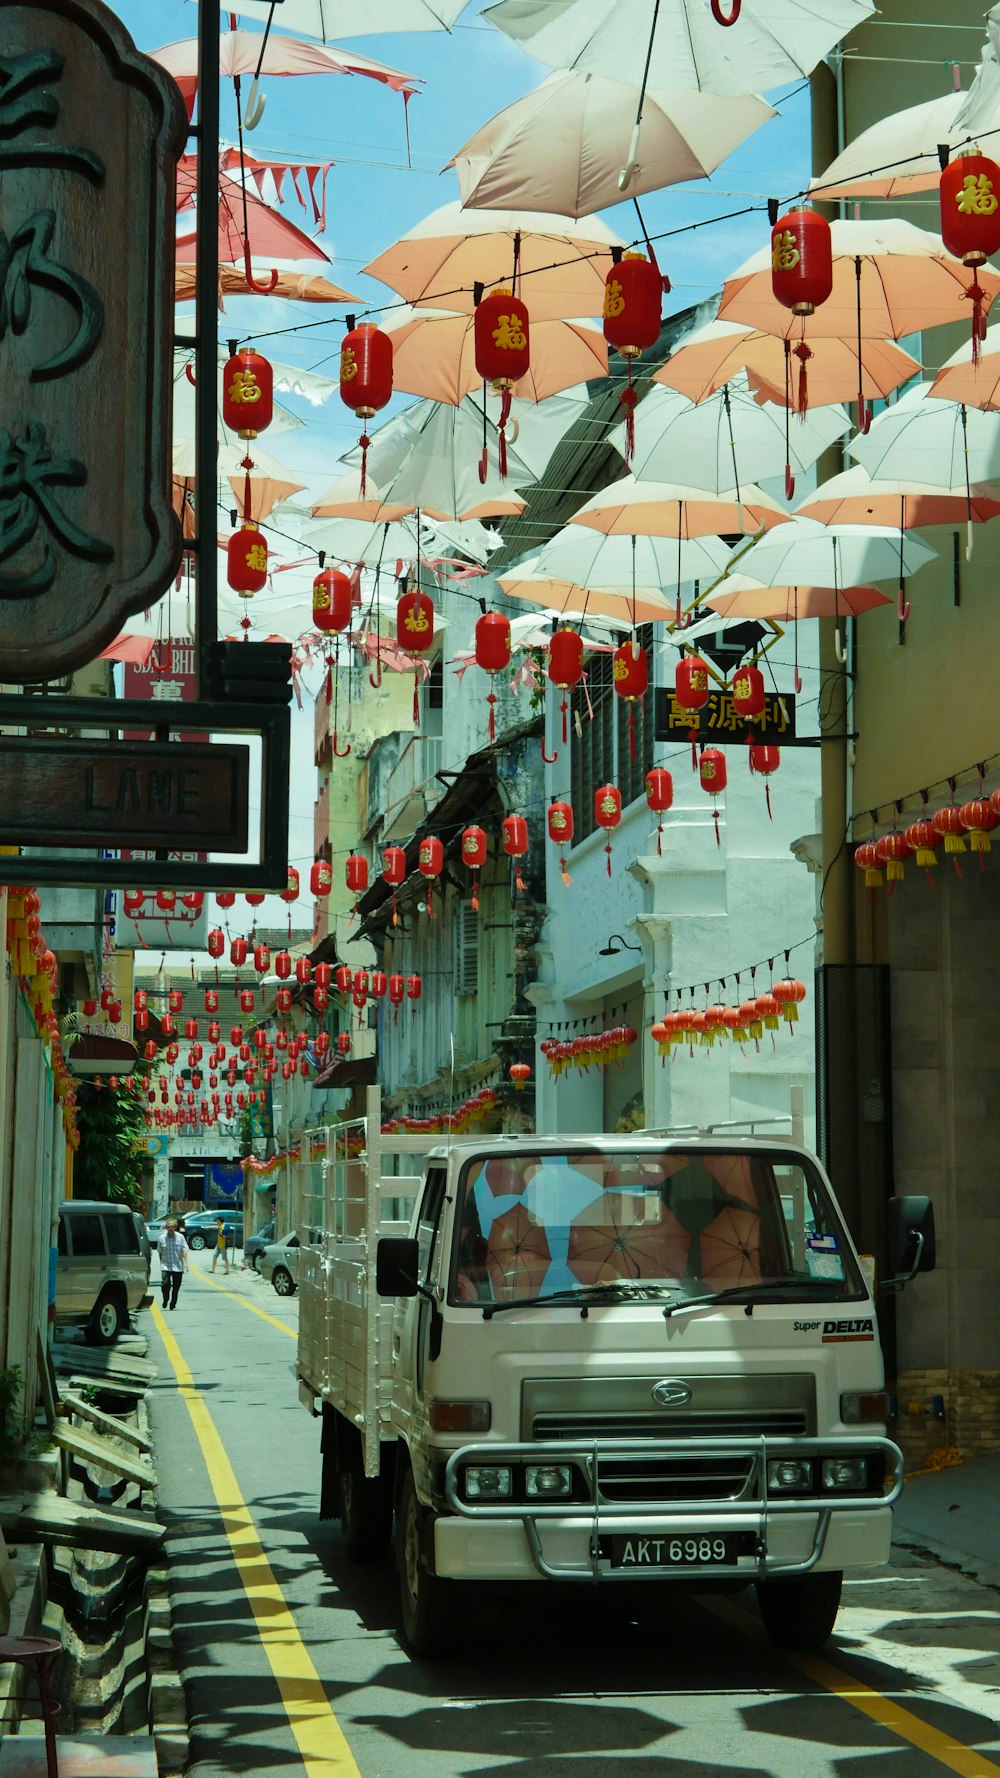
(206, 334)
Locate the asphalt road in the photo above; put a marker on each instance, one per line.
(289, 1655)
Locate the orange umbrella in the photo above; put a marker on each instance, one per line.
(303, 287)
(343, 500)
(978, 385)
(634, 508)
(854, 498)
(433, 354)
(729, 1249)
(609, 1241)
(715, 354)
(517, 1255)
(789, 604)
(895, 157)
(572, 600)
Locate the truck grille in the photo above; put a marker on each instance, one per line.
(779, 1423)
(670, 1479)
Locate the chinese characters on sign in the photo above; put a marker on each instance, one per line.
(90, 132)
(719, 722)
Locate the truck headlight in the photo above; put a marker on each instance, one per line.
(548, 1480)
(845, 1472)
(789, 1475)
(488, 1482)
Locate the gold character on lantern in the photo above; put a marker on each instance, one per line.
(620, 671)
(608, 805)
(784, 253)
(977, 197)
(614, 302)
(348, 365)
(557, 820)
(416, 620)
(321, 598)
(508, 334)
(257, 557)
(708, 770)
(741, 688)
(425, 855)
(244, 387)
(470, 848)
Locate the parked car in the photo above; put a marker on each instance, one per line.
(280, 1265)
(254, 1245)
(102, 1273)
(155, 1228)
(200, 1225)
(145, 1244)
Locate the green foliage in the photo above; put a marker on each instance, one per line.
(244, 1131)
(18, 1436)
(109, 1160)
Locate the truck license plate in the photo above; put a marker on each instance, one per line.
(701, 1551)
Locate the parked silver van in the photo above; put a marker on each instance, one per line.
(102, 1273)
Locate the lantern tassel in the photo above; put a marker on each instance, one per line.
(564, 706)
(491, 701)
(659, 839)
(627, 401)
(608, 851)
(767, 799)
(484, 467)
(502, 451)
(694, 749)
(416, 700)
(977, 296)
(631, 728)
(715, 818)
(803, 353)
(329, 680)
(518, 879)
(364, 442)
(475, 894)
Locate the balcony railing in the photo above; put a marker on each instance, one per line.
(413, 773)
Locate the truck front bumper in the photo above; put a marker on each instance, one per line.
(771, 1536)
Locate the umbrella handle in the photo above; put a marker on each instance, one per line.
(255, 106)
(340, 752)
(372, 680)
(189, 373)
(798, 680)
(513, 430)
(838, 647)
(549, 761)
(721, 18)
(902, 605)
(626, 174)
(864, 418)
(789, 483)
(258, 289)
(969, 535)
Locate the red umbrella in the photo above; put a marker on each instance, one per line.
(248, 228)
(517, 1255)
(729, 1249)
(506, 1176)
(243, 52)
(610, 1241)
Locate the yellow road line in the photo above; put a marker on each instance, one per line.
(205, 1278)
(885, 1711)
(318, 1735)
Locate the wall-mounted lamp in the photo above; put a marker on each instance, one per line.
(612, 949)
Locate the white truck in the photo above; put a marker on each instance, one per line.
(599, 1359)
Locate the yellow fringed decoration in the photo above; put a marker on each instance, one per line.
(873, 877)
(978, 840)
(925, 857)
(953, 842)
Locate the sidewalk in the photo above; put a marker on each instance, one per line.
(955, 1514)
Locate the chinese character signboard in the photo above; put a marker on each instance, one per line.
(719, 722)
(90, 133)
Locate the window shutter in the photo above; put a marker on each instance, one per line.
(465, 936)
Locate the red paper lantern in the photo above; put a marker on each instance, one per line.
(321, 999)
(501, 341)
(867, 859)
(344, 1042)
(474, 856)
(492, 654)
(764, 760)
(923, 840)
(303, 971)
(712, 775)
(565, 666)
(214, 1033)
(282, 965)
(247, 393)
(630, 677)
(140, 1000)
(365, 378)
(801, 261)
(379, 984)
(261, 959)
(789, 995)
(193, 900)
(323, 974)
(291, 890)
(691, 693)
(175, 1000)
(394, 865)
(284, 1001)
(331, 600)
(414, 987)
(430, 862)
(415, 622)
(142, 1021)
(748, 693)
(238, 952)
(211, 999)
(633, 291)
(949, 824)
(396, 989)
(979, 819)
(560, 826)
(356, 873)
(970, 224)
(607, 812)
(659, 796)
(343, 979)
(891, 849)
(321, 877)
(246, 999)
(246, 560)
(226, 898)
(190, 1029)
(519, 1073)
(514, 836)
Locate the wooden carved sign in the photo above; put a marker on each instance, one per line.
(90, 133)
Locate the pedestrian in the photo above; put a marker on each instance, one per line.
(220, 1245)
(173, 1251)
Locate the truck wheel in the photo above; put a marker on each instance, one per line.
(426, 1610)
(800, 1613)
(366, 1516)
(107, 1321)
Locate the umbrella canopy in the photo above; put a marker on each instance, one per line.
(742, 597)
(718, 352)
(709, 444)
(439, 470)
(441, 259)
(517, 1254)
(896, 157)
(352, 540)
(270, 480)
(433, 355)
(772, 42)
(282, 418)
(319, 18)
(853, 498)
(933, 442)
(248, 228)
(729, 1249)
(534, 430)
(804, 552)
(343, 499)
(241, 51)
(610, 1240)
(907, 282)
(293, 284)
(978, 385)
(561, 147)
(669, 509)
(566, 597)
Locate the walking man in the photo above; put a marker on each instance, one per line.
(220, 1246)
(173, 1251)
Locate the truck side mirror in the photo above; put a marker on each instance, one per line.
(912, 1246)
(397, 1259)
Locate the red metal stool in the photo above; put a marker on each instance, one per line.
(40, 1653)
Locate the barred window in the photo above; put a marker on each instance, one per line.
(599, 748)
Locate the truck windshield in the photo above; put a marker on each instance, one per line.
(697, 1220)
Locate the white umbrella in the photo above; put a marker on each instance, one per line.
(707, 444)
(433, 355)
(931, 441)
(895, 157)
(561, 147)
(630, 507)
(805, 553)
(434, 460)
(351, 540)
(534, 429)
(320, 18)
(441, 259)
(282, 420)
(772, 41)
(624, 568)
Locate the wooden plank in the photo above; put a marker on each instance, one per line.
(90, 1448)
(47, 1380)
(50, 1519)
(106, 1365)
(117, 1387)
(105, 1422)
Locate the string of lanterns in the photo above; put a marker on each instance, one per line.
(36, 968)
